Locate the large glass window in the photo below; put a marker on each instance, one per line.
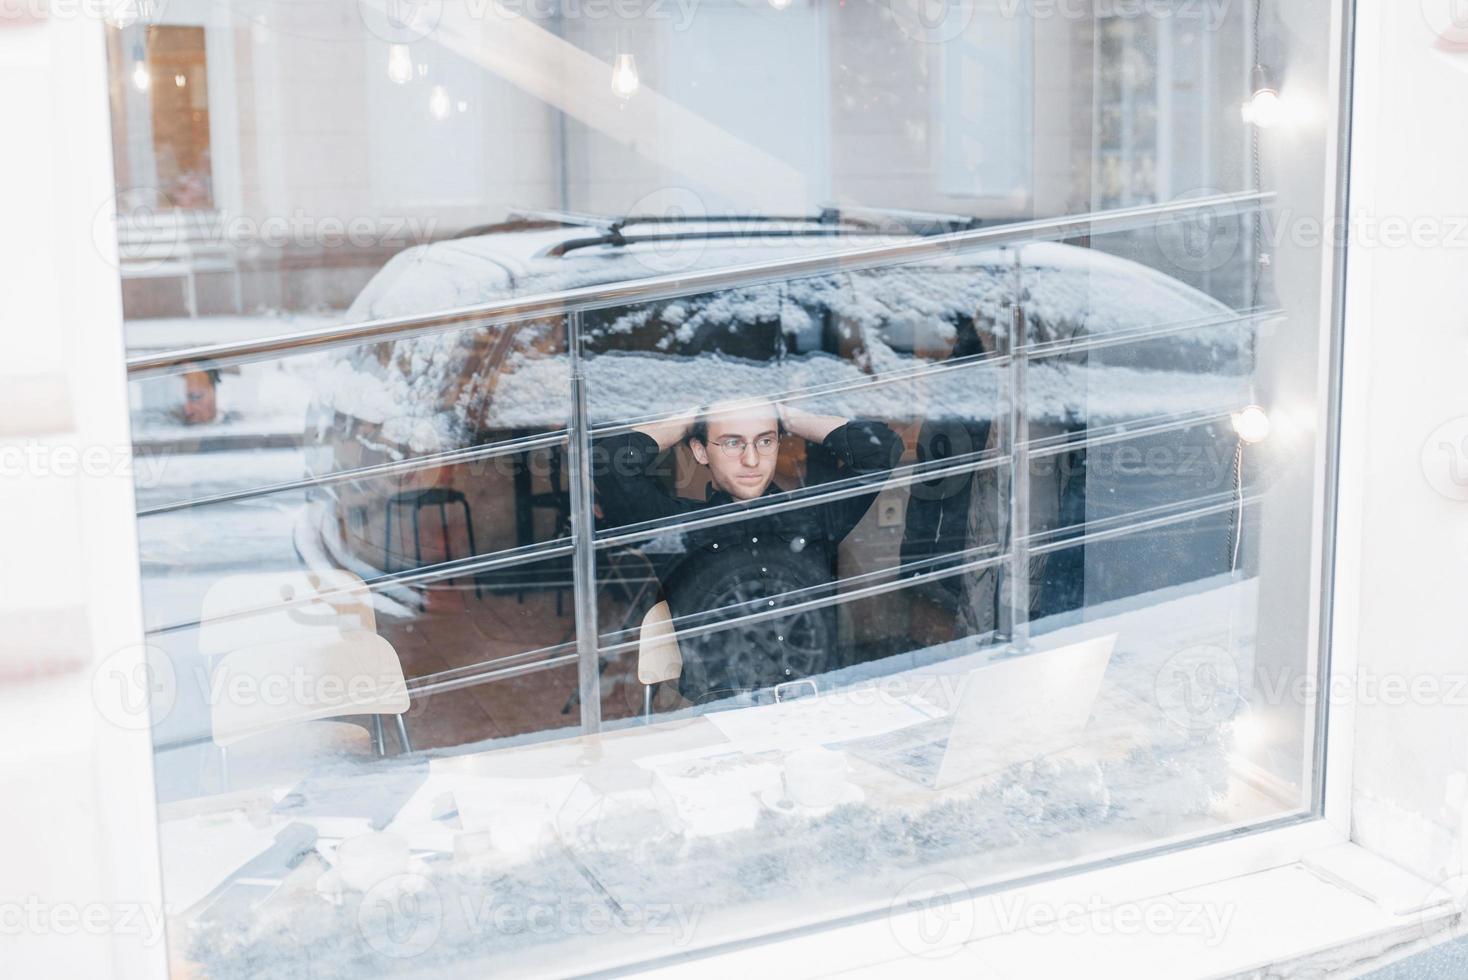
(615, 480)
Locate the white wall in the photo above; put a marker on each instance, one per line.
(1408, 311)
(79, 882)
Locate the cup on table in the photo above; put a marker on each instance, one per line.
(815, 777)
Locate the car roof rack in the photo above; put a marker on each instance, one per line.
(917, 222)
(615, 236)
(829, 222)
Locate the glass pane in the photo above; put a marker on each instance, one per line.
(737, 463)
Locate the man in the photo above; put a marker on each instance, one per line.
(742, 568)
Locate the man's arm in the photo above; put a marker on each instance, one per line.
(669, 432)
(625, 487)
(812, 428)
(861, 447)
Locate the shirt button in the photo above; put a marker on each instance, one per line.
(754, 540)
(716, 546)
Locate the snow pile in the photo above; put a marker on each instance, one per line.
(856, 853)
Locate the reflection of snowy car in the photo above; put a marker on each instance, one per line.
(829, 336)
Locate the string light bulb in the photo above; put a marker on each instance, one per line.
(438, 103)
(141, 78)
(399, 63)
(625, 82)
(1264, 107)
(1251, 423)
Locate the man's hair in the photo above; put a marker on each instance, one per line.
(700, 428)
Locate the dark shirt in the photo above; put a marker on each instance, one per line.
(755, 564)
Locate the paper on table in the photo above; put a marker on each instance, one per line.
(199, 853)
(492, 803)
(826, 720)
(716, 788)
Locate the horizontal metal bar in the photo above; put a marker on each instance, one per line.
(564, 654)
(1124, 527)
(1083, 343)
(658, 288)
(412, 464)
(925, 372)
(820, 493)
(422, 687)
(918, 571)
(921, 373)
(527, 555)
(864, 592)
(1121, 432)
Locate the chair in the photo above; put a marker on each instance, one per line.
(272, 689)
(302, 616)
(440, 497)
(658, 656)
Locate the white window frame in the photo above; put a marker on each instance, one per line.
(864, 939)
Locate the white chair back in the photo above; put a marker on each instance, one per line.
(271, 685)
(658, 656)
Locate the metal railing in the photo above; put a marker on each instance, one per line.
(1015, 452)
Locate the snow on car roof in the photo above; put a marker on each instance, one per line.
(430, 392)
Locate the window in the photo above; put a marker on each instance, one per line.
(620, 521)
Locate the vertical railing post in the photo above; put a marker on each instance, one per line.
(1015, 614)
(583, 535)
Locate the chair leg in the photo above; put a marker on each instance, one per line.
(417, 540)
(403, 734)
(647, 702)
(473, 548)
(379, 743)
(387, 538)
(223, 769)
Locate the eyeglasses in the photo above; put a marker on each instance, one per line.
(734, 446)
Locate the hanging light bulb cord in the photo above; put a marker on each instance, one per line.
(1236, 514)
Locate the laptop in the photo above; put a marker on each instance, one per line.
(1007, 712)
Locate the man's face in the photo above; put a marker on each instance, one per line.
(743, 444)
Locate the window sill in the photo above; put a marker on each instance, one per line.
(1296, 899)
